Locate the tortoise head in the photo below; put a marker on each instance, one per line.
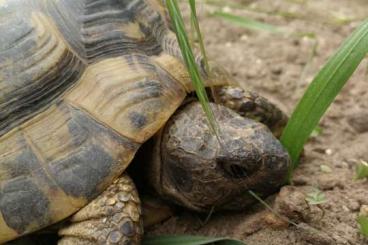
(199, 171)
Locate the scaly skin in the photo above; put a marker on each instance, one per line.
(114, 217)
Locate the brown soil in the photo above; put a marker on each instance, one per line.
(280, 66)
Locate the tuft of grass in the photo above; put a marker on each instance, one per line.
(322, 91)
(325, 169)
(316, 197)
(189, 60)
(316, 132)
(188, 240)
(246, 22)
(363, 220)
(363, 225)
(361, 170)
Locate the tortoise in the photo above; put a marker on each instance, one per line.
(83, 84)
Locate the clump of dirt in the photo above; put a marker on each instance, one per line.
(280, 67)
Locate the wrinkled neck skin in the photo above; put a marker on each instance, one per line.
(192, 169)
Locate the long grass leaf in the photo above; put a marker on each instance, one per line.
(246, 22)
(195, 22)
(188, 240)
(188, 56)
(323, 90)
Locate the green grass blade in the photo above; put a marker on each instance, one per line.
(363, 225)
(246, 22)
(323, 90)
(188, 56)
(261, 201)
(361, 170)
(188, 240)
(195, 22)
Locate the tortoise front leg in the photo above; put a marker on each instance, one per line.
(114, 217)
(251, 105)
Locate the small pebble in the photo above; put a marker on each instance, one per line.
(363, 211)
(359, 122)
(328, 152)
(354, 206)
(290, 202)
(299, 180)
(345, 208)
(314, 236)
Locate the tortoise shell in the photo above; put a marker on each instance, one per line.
(83, 83)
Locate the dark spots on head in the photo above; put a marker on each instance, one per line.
(137, 120)
(22, 203)
(240, 158)
(276, 162)
(80, 173)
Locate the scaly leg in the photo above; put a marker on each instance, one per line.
(114, 217)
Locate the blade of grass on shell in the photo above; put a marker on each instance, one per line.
(246, 22)
(188, 240)
(322, 91)
(188, 56)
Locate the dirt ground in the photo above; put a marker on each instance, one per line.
(280, 67)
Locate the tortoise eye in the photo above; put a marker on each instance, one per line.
(237, 171)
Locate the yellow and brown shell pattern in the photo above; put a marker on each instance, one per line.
(83, 83)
